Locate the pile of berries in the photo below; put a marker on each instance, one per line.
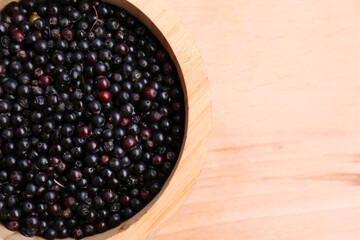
(91, 117)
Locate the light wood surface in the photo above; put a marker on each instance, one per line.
(284, 158)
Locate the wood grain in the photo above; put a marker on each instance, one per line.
(284, 159)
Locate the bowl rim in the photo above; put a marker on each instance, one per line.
(172, 34)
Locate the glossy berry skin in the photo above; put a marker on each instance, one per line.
(157, 160)
(150, 93)
(18, 36)
(18, 18)
(105, 96)
(33, 18)
(104, 160)
(108, 196)
(129, 142)
(145, 133)
(84, 131)
(121, 49)
(54, 209)
(75, 174)
(103, 83)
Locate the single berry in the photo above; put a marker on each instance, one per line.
(45, 81)
(18, 36)
(68, 33)
(150, 93)
(75, 174)
(121, 49)
(108, 196)
(104, 160)
(105, 96)
(129, 142)
(18, 18)
(69, 201)
(145, 133)
(54, 209)
(157, 160)
(13, 225)
(33, 18)
(103, 83)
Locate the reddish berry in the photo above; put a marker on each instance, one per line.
(38, 34)
(103, 83)
(84, 131)
(157, 160)
(145, 133)
(54, 161)
(150, 93)
(104, 160)
(45, 81)
(129, 142)
(105, 96)
(18, 36)
(126, 121)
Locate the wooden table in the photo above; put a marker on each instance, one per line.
(284, 158)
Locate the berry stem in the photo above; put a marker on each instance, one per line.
(58, 183)
(97, 19)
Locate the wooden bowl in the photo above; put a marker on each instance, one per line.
(172, 34)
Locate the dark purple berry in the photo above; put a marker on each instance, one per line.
(129, 142)
(13, 225)
(108, 196)
(68, 33)
(75, 174)
(54, 209)
(101, 227)
(69, 201)
(157, 160)
(121, 48)
(18, 18)
(103, 83)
